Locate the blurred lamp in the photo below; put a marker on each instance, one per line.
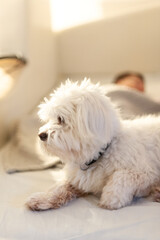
(10, 67)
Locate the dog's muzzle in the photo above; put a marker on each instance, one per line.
(43, 136)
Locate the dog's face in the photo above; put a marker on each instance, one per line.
(79, 119)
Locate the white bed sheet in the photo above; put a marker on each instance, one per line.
(81, 219)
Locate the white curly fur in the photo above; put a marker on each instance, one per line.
(80, 120)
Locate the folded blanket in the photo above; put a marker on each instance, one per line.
(22, 154)
(131, 103)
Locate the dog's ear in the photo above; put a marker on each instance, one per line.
(96, 118)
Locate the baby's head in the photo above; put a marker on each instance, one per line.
(131, 79)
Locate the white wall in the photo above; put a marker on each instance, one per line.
(130, 41)
(71, 13)
(39, 76)
(13, 20)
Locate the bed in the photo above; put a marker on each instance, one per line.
(81, 219)
(23, 173)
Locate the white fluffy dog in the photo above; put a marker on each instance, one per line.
(102, 153)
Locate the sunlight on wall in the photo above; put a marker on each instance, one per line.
(6, 83)
(69, 13)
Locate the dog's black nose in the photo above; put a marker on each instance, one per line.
(43, 136)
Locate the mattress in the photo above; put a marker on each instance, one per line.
(80, 219)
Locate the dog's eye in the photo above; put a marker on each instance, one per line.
(60, 120)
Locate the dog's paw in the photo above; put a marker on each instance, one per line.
(114, 202)
(155, 194)
(110, 205)
(38, 202)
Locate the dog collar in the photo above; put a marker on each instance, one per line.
(100, 154)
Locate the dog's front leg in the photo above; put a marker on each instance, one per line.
(53, 199)
(119, 189)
